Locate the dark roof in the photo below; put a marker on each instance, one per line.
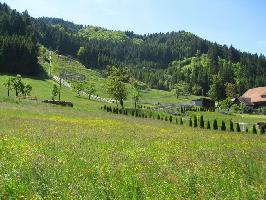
(246, 101)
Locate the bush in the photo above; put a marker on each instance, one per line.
(231, 126)
(190, 122)
(195, 121)
(208, 125)
(254, 130)
(166, 119)
(246, 129)
(158, 117)
(176, 121)
(223, 127)
(215, 125)
(201, 122)
(238, 109)
(238, 128)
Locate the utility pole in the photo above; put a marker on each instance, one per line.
(60, 84)
(50, 65)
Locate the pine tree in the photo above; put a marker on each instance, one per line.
(201, 122)
(195, 121)
(238, 128)
(208, 125)
(215, 125)
(231, 126)
(254, 129)
(262, 130)
(170, 118)
(190, 122)
(181, 121)
(223, 127)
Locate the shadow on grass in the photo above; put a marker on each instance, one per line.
(41, 75)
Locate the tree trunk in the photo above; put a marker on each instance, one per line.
(89, 97)
(8, 92)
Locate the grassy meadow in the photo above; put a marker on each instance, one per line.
(53, 152)
(62, 153)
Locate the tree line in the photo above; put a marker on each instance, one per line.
(194, 122)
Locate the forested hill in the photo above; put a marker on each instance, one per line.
(101, 47)
(161, 60)
(18, 45)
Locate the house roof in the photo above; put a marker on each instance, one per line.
(255, 95)
(246, 101)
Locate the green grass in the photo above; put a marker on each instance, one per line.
(42, 89)
(53, 152)
(155, 96)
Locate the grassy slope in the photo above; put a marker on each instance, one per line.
(55, 152)
(51, 151)
(62, 63)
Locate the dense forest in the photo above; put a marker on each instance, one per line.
(163, 60)
(18, 46)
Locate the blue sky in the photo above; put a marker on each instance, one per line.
(238, 22)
